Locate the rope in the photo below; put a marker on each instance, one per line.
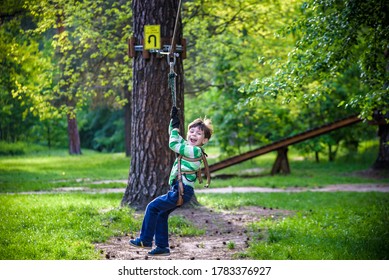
(172, 83)
(173, 43)
(172, 55)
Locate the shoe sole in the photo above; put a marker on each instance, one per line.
(159, 255)
(141, 247)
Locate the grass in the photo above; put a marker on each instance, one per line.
(330, 226)
(66, 226)
(62, 226)
(44, 171)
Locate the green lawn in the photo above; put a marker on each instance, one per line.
(328, 226)
(66, 226)
(44, 171)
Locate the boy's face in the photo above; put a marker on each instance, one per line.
(196, 137)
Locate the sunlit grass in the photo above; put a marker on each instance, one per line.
(45, 172)
(66, 226)
(331, 226)
(61, 226)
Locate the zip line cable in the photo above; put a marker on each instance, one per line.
(173, 43)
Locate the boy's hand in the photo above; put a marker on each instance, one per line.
(174, 112)
(175, 122)
(174, 116)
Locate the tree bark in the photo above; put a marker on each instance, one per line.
(73, 136)
(127, 121)
(281, 165)
(382, 161)
(151, 158)
(317, 157)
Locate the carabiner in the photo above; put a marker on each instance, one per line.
(169, 59)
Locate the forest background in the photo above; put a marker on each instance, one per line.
(263, 70)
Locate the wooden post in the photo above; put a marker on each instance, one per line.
(145, 53)
(183, 43)
(281, 165)
(131, 47)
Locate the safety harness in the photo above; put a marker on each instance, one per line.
(203, 158)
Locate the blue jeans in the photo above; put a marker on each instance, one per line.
(155, 221)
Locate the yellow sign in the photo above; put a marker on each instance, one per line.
(152, 39)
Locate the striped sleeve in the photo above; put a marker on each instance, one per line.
(179, 145)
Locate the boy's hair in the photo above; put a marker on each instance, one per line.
(204, 124)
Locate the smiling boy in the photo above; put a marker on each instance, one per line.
(182, 176)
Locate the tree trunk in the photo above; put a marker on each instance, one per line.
(317, 157)
(127, 121)
(382, 161)
(73, 135)
(151, 158)
(281, 165)
(332, 153)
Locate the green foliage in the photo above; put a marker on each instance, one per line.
(232, 42)
(336, 36)
(19, 148)
(229, 40)
(57, 227)
(23, 66)
(331, 226)
(90, 40)
(322, 77)
(49, 73)
(102, 129)
(235, 42)
(49, 133)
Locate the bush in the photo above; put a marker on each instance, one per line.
(18, 148)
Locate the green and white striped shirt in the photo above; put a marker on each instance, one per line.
(180, 146)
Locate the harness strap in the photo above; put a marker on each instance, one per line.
(180, 200)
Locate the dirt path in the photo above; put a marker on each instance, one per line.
(330, 188)
(226, 236)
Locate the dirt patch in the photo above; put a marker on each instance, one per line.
(227, 236)
(372, 174)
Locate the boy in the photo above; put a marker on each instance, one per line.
(155, 221)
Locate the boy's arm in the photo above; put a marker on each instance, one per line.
(175, 137)
(178, 145)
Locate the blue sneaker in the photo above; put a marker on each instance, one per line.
(158, 251)
(140, 244)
